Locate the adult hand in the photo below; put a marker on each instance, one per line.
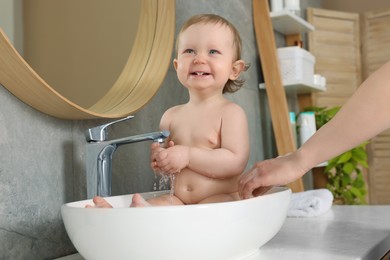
(268, 173)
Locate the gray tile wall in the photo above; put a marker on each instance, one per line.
(42, 158)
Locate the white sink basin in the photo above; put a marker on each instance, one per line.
(219, 231)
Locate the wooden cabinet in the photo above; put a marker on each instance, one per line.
(348, 48)
(376, 52)
(336, 45)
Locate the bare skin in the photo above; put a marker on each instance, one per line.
(99, 202)
(209, 143)
(366, 114)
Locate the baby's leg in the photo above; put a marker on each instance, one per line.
(164, 200)
(99, 203)
(221, 198)
(138, 201)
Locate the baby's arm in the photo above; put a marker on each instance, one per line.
(230, 160)
(225, 162)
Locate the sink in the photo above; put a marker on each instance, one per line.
(228, 230)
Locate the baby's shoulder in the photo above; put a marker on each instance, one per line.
(173, 110)
(231, 107)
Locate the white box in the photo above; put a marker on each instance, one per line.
(296, 65)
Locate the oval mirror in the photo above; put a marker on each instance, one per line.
(90, 58)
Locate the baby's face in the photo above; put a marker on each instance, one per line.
(205, 56)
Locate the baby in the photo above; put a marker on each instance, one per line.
(208, 147)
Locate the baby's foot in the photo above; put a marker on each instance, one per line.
(138, 201)
(99, 203)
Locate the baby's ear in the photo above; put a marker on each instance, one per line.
(237, 68)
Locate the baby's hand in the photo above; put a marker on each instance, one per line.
(155, 149)
(173, 159)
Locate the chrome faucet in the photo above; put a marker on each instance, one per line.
(99, 152)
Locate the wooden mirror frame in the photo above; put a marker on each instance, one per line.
(140, 79)
(275, 91)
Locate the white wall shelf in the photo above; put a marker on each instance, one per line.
(288, 23)
(299, 87)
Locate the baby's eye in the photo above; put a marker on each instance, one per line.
(190, 51)
(213, 52)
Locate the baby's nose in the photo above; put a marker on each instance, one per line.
(199, 59)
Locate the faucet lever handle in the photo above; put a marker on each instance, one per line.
(99, 133)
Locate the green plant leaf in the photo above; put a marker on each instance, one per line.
(336, 185)
(360, 184)
(364, 164)
(346, 179)
(345, 157)
(332, 111)
(357, 193)
(347, 195)
(348, 168)
(359, 154)
(329, 167)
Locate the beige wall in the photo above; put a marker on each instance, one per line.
(78, 50)
(356, 6)
(11, 22)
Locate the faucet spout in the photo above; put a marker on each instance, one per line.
(155, 137)
(99, 160)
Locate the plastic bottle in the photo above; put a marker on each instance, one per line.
(293, 127)
(307, 123)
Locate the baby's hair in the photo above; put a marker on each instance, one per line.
(231, 86)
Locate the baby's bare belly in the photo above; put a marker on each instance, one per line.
(191, 187)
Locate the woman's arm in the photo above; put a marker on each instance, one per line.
(364, 115)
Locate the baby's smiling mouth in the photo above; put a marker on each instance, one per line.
(200, 73)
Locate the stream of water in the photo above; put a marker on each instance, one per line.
(166, 181)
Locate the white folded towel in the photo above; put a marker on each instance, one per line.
(310, 203)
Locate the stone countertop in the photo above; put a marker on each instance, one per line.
(344, 232)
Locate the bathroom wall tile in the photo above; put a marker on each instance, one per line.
(36, 178)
